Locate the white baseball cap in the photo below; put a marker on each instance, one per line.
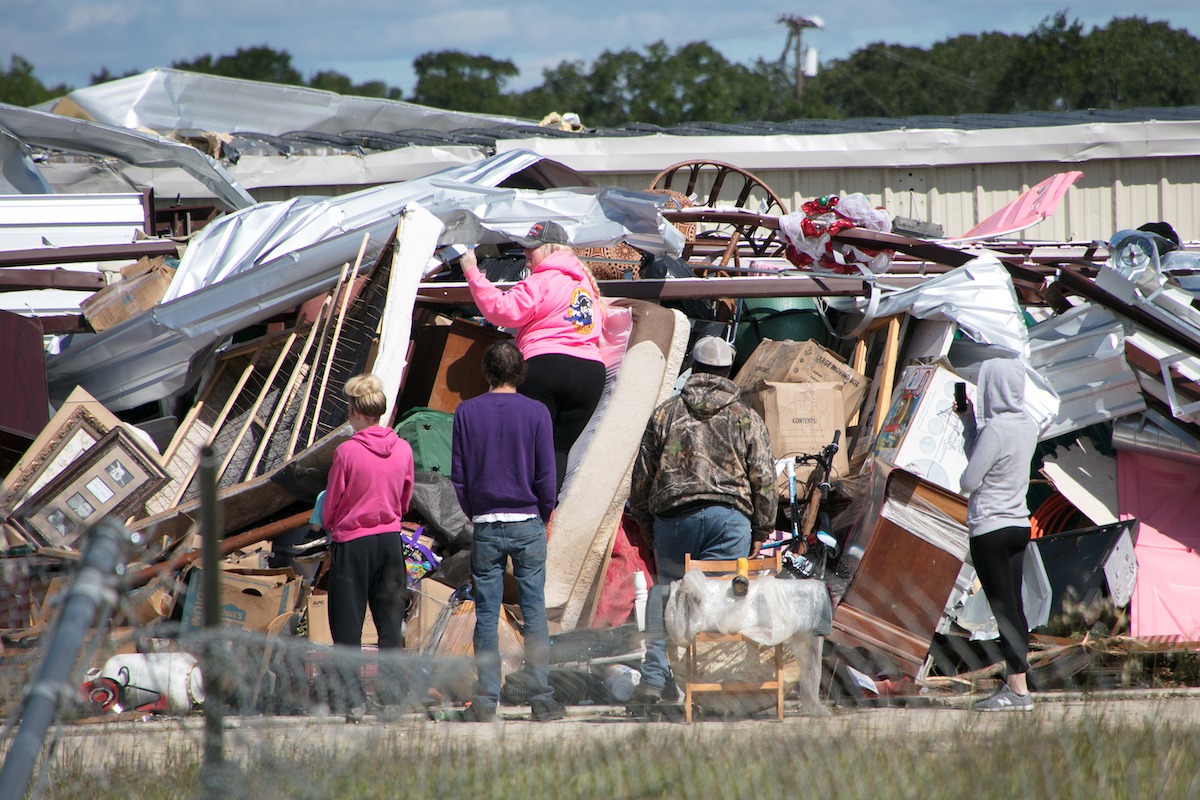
(712, 351)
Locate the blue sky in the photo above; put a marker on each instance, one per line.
(69, 40)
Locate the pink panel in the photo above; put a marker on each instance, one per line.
(1026, 211)
(1164, 495)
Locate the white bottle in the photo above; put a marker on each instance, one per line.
(639, 598)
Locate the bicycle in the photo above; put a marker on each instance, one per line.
(812, 543)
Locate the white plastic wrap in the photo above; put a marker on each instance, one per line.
(770, 613)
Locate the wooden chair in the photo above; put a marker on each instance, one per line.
(694, 683)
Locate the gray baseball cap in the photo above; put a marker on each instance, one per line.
(712, 351)
(541, 233)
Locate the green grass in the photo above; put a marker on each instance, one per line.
(1018, 758)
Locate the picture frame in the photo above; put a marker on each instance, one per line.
(114, 477)
(78, 426)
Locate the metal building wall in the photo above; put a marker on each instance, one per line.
(1112, 194)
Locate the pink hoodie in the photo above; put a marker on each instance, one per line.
(370, 485)
(554, 309)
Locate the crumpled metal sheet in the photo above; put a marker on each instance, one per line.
(1081, 354)
(167, 100)
(466, 198)
(134, 147)
(255, 264)
(978, 296)
(980, 299)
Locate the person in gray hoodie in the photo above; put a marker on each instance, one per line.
(996, 481)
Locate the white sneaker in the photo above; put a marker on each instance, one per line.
(1005, 699)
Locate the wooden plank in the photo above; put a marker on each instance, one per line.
(299, 371)
(308, 380)
(891, 353)
(337, 333)
(247, 370)
(252, 412)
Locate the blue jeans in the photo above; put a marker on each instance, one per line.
(710, 533)
(492, 545)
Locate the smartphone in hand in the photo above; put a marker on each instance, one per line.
(960, 397)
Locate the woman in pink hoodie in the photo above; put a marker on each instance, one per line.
(558, 314)
(369, 489)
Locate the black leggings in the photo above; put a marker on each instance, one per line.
(571, 388)
(368, 571)
(999, 558)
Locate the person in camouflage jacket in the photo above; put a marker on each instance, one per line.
(703, 485)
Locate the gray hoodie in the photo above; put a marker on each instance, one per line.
(999, 455)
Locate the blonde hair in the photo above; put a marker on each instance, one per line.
(588, 276)
(364, 394)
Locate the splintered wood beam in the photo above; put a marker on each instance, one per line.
(227, 546)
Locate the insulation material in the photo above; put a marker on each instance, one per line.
(1165, 496)
(1086, 478)
(416, 237)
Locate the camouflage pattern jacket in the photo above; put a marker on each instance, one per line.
(705, 445)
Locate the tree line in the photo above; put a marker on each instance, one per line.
(1129, 62)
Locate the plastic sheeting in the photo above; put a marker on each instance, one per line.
(771, 612)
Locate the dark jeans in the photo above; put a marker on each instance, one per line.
(366, 571)
(999, 558)
(570, 388)
(709, 533)
(493, 544)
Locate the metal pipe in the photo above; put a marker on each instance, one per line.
(91, 594)
(210, 536)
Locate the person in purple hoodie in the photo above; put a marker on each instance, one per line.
(502, 468)
(558, 314)
(369, 489)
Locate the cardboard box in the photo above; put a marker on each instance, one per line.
(802, 418)
(148, 603)
(432, 597)
(250, 599)
(140, 288)
(921, 433)
(318, 622)
(802, 362)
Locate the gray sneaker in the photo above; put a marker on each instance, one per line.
(1005, 699)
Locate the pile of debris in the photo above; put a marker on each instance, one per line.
(234, 337)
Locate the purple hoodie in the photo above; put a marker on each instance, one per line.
(370, 485)
(554, 310)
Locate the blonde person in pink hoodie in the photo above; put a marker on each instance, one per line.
(369, 489)
(558, 314)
